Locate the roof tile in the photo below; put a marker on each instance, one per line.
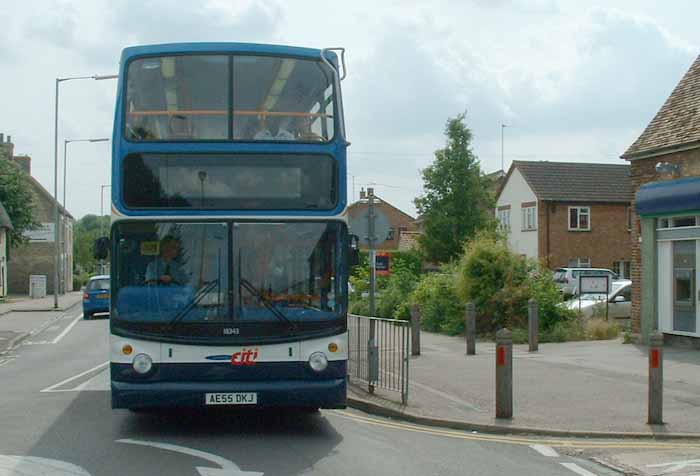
(576, 181)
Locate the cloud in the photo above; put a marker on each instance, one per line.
(56, 26)
(624, 69)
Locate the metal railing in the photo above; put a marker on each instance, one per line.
(380, 351)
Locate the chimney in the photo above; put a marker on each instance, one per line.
(363, 195)
(24, 162)
(7, 149)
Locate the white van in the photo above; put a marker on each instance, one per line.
(567, 278)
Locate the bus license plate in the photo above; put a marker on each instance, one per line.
(248, 398)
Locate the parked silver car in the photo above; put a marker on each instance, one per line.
(619, 302)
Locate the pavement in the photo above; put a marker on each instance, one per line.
(55, 418)
(21, 316)
(587, 389)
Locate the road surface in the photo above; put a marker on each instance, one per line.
(55, 418)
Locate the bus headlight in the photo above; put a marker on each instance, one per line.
(142, 364)
(318, 361)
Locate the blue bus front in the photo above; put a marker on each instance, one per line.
(229, 257)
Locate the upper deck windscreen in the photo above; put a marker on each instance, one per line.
(225, 97)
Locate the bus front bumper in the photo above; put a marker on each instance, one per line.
(280, 393)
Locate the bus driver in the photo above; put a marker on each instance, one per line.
(166, 268)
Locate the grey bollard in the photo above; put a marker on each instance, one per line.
(504, 374)
(470, 327)
(415, 330)
(656, 379)
(533, 325)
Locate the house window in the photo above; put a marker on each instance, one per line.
(529, 218)
(678, 222)
(579, 218)
(580, 262)
(390, 235)
(504, 219)
(622, 269)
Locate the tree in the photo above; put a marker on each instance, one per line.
(17, 198)
(85, 232)
(457, 201)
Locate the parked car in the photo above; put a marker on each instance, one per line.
(619, 302)
(567, 278)
(96, 296)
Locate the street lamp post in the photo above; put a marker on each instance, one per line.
(57, 249)
(64, 264)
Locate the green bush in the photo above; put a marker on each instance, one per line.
(359, 307)
(500, 282)
(564, 331)
(392, 291)
(441, 309)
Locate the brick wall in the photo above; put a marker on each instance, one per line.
(607, 241)
(644, 171)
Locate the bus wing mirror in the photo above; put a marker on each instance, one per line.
(100, 248)
(354, 250)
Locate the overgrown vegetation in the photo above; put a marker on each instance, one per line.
(392, 299)
(500, 283)
(85, 232)
(441, 308)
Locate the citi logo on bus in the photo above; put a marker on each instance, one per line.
(244, 357)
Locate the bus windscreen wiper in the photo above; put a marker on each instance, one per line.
(201, 292)
(266, 302)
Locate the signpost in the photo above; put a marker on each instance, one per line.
(591, 284)
(383, 263)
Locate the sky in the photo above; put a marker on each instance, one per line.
(573, 80)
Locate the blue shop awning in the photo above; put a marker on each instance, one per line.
(672, 196)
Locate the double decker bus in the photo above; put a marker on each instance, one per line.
(229, 249)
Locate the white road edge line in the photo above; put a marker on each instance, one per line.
(577, 469)
(545, 450)
(63, 382)
(67, 329)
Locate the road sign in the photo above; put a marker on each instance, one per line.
(593, 284)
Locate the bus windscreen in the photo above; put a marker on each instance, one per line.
(211, 97)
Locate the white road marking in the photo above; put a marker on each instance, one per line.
(69, 379)
(11, 465)
(35, 342)
(578, 469)
(228, 468)
(677, 465)
(545, 450)
(67, 329)
(6, 360)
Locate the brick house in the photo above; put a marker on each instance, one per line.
(37, 256)
(568, 214)
(390, 222)
(665, 165)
